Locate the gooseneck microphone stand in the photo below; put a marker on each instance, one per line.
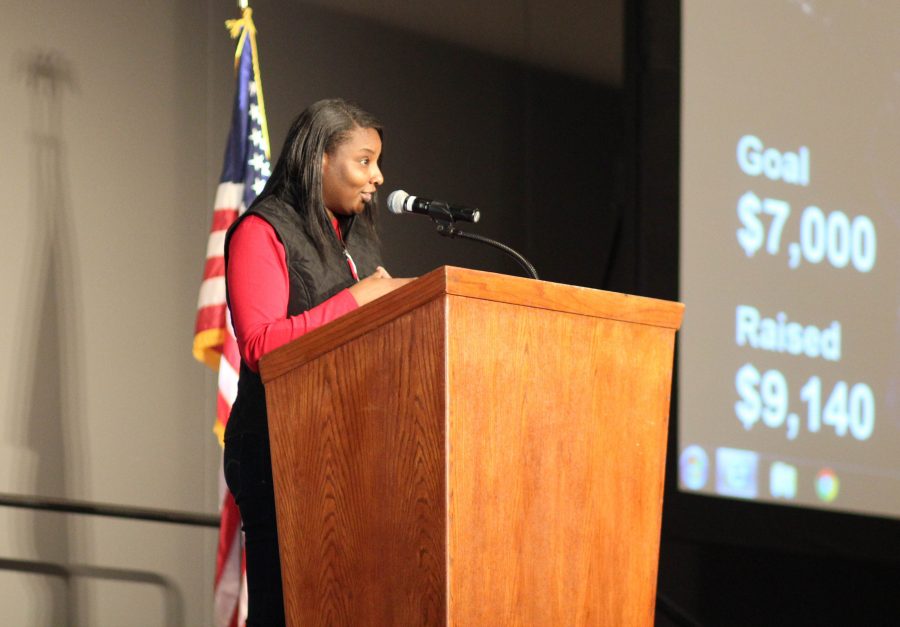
(445, 225)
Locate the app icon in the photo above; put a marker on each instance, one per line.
(693, 467)
(736, 472)
(827, 485)
(783, 480)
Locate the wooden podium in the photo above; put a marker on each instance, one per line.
(474, 449)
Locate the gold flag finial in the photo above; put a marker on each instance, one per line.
(245, 22)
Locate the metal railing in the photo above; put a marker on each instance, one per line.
(72, 506)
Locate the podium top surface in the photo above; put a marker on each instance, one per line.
(489, 286)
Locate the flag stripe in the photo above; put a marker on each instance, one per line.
(230, 352)
(212, 292)
(215, 266)
(229, 576)
(231, 525)
(223, 408)
(223, 218)
(216, 245)
(207, 320)
(229, 195)
(228, 382)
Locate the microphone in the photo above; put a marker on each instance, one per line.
(444, 215)
(401, 202)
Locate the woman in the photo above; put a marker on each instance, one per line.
(293, 263)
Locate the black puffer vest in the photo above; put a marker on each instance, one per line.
(312, 280)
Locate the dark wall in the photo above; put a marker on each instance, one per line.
(534, 150)
(572, 177)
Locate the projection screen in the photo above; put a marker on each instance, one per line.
(789, 358)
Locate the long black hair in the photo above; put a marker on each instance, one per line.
(297, 177)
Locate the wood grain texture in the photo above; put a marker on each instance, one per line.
(443, 456)
(357, 442)
(475, 284)
(557, 429)
(563, 298)
(353, 325)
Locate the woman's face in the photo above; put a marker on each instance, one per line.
(350, 173)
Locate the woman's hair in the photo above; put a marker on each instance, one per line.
(297, 177)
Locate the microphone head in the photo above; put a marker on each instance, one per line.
(395, 201)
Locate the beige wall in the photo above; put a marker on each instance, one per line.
(105, 176)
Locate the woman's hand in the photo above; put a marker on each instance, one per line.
(375, 286)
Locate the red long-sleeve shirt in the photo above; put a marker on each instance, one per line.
(258, 290)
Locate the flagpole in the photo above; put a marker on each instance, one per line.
(245, 170)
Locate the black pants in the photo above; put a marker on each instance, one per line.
(248, 473)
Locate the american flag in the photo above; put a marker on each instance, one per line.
(244, 174)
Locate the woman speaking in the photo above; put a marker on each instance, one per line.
(293, 262)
